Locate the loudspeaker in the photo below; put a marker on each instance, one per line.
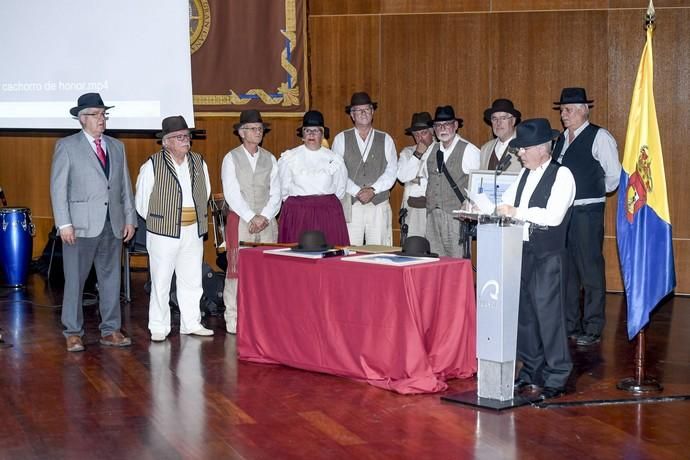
(212, 283)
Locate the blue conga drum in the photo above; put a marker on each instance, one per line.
(16, 244)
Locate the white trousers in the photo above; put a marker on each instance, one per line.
(371, 223)
(267, 235)
(182, 256)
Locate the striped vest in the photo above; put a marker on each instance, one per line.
(365, 173)
(165, 204)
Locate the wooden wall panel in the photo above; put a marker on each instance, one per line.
(358, 7)
(540, 5)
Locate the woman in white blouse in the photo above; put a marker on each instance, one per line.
(312, 182)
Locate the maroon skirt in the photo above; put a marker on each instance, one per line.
(313, 212)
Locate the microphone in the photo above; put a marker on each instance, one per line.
(2, 197)
(500, 167)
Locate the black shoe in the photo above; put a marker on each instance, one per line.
(523, 385)
(551, 392)
(588, 339)
(574, 336)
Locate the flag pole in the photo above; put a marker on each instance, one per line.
(640, 383)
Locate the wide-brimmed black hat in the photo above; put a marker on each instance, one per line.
(172, 124)
(533, 132)
(87, 101)
(313, 118)
(502, 105)
(574, 96)
(251, 116)
(360, 98)
(445, 113)
(416, 246)
(420, 121)
(312, 241)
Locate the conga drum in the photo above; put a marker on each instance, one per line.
(16, 244)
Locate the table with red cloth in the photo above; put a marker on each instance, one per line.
(406, 329)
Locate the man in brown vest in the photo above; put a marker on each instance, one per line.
(172, 195)
(448, 167)
(502, 116)
(371, 161)
(252, 190)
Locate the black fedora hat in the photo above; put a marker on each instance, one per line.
(574, 96)
(312, 241)
(533, 132)
(445, 113)
(172, 124)
(313, 118)
(502, 105)
(360, 98)
(251, 116)
(420, 121)
(87, 101)
(416, 246)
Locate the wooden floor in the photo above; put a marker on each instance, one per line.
(190, 398)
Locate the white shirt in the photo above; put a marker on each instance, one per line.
(147, 179)
(92, 142)
(470, 159)
(560, 200)
(305, 172)
(412, 171)
(385, 180)
(605, 151)
(233, 194)
(501, 147)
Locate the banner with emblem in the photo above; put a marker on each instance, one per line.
(248, 55)
(644, 223)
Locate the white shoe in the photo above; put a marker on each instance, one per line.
(231, 328)
(202, 332)
(157, 337)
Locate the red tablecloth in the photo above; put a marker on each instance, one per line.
(405, 329)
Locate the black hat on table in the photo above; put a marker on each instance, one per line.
(312, 241)
(416, 246)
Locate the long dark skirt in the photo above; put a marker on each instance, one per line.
(313, 212)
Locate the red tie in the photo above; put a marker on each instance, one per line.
(100, 153)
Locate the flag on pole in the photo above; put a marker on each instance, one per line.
(643, 222)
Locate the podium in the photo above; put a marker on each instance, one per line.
(499, 263)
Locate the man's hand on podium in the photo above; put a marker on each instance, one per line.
(506, 210)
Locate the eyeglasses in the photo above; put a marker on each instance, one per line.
(362, 111)
(444, 124)
(103, 115)
(254, 129)
(503, 118)
(308, 131)
(180, 137)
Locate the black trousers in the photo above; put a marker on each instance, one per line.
(586, 270)
(542, 343)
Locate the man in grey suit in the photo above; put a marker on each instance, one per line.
(93, 206)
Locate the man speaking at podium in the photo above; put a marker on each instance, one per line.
(542, 195)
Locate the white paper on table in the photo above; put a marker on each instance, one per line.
(482, 201)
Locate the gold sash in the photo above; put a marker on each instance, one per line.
(188, 216)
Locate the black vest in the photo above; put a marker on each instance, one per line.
(543, 242)
(587, 171)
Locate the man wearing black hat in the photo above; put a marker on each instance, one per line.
(412, 172)
(172, 194)
(591, 153)
(448, 168)
(542, 195)
(252, 190)
(94, 212)
(502, 116)
(371, 161)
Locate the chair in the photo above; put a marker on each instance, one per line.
(135, 247)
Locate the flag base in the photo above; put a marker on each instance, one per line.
(644, 386)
